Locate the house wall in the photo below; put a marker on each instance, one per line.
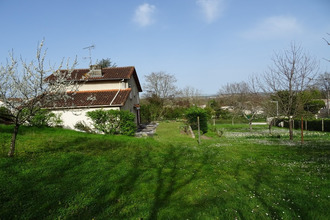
(133, 98)
(107, 85)
(99, 85)
(71, 116)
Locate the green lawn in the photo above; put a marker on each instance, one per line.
(62, 174)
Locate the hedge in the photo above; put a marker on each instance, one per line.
(312, 125)
(192, 114)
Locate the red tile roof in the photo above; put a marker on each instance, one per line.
(95, 98)
(108, 74)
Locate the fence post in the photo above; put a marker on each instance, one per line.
(199, 131)
(302, 130)
(292, 123)
(322, 124)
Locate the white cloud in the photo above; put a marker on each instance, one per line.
(144, 14)
(276, 26)
(211, 9)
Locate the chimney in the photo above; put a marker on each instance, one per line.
(95, 71)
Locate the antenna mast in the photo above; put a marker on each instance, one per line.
(90, 53)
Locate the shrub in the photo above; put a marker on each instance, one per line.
(172, 113)
(127, 125)
(43, 118)
(113, 121)
(55, 120)
(192, 114)
(5, 116)
(82, 126)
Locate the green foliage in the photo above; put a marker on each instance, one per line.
(283, 98)
(223, 114)
(43, 118)
(113, 121)
(191, 116)
(303, 103)
(5, 116)
(152, 109)
(55, 121)
(106, 63)
(127, 126)
(82, 126)
(175, 112)
(214, 104)
(314, 106)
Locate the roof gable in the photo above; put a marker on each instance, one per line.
(108, 74)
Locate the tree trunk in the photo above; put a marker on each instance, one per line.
(302, 130)
(270, 126)
(290, 129)
(13, 141)
(328, 107)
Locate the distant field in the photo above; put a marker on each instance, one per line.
(63, 174)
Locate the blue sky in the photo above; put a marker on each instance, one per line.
(204, 43)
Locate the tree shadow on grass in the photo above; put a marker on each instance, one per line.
(170, 181)
(30, 192)
(106, 185)
(273, 202)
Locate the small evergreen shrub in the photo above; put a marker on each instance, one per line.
(192, 114)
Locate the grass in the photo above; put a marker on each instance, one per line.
(62, 174)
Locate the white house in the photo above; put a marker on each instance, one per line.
(100, 88)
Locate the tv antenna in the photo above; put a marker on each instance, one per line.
(90, 53)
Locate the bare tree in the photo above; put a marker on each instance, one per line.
(327, 40)
(328, 45)
(160, 84)
(244, 99)
(190, 94)
(291, 72)
(24, 91)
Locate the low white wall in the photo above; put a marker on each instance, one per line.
(71, 116)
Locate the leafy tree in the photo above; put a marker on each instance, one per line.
(314, 106)
(24, 90)
(106, 63)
